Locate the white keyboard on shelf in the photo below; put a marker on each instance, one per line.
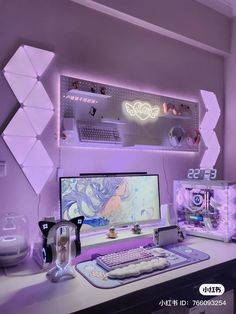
(102, 132)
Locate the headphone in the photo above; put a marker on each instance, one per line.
(49, 229)
(193, 137)
(176, 136)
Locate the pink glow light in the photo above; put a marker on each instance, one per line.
(121, 84)
(39, 118)
(21, 85)
(210, 120)
(39, 58)
(20, 64)
(38, 98)
(22, 73)
(210, 101)
(19, 146)
(19, 125)
(38, 156)
(37, 176)
(223, 200)
(207, 129)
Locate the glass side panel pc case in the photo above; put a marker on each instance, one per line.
(116, 200)
(206, 208)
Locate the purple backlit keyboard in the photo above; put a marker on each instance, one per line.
(120, 259)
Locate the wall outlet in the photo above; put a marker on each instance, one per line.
(3, 169)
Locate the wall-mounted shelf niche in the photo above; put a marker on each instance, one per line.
(101, 115)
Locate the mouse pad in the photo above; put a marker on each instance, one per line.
(179, 256)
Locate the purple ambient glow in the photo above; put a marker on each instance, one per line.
(207, 130)
(214, 212)
(22, 73)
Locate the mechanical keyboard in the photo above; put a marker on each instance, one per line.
(127, 257)
(102, 132)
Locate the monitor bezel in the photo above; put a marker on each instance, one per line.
(125, 174)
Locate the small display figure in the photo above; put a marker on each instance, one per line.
(112, 233)
(75, 85)
(103, 90)
(93, 89)
(63, 253)
(136, 229)
(180, 234)
(92, 111)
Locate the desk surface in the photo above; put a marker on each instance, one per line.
(35, 294)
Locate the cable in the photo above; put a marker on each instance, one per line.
(167, 186)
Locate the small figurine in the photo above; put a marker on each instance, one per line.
(136, 229)
(93, 89)
(92, 111)
(181, 235)
(63, 252)
(184, 110)
(75, 85)
(103, 90)
(112, 233)
(170, 109)
(193, 137)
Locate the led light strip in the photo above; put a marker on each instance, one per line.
(207, 127)
(22, 134)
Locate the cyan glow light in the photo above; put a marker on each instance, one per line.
(141, 110)
(207, 130)
(22, 73)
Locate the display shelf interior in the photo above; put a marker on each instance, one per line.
(139, 118)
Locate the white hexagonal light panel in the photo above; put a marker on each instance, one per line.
(21, 135)
(207, 127)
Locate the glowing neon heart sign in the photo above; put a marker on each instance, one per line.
(141, 110)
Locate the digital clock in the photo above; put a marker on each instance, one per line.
(202, 174)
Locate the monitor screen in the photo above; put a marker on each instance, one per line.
(107, 200)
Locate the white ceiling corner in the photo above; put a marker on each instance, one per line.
(225, 7)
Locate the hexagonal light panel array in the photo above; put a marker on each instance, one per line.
(22, 134)
(207, 130)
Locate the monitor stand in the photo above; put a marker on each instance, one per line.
(99, 237)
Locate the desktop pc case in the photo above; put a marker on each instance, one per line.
(206, 208)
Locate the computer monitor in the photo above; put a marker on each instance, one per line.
(111, 200)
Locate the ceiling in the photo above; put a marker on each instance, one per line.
(225, 7)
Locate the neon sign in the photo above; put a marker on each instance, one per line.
(141, 110)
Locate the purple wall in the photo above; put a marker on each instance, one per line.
(98, 47)
(230, 112)
(186, 17)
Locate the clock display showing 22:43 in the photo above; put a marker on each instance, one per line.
(202, 174)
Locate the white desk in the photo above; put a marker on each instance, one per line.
(35, 294)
